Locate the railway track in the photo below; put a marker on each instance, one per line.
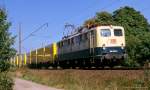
(95, 68)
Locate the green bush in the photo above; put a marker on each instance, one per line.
(4, 66)
(6, 52)
(6, 81)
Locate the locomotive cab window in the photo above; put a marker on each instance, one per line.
(105, 32)
(117, 32)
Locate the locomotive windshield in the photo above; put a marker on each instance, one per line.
(105, 32)
(117, 32)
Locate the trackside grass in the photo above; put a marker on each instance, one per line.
(88, 79)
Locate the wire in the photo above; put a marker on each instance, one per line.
(40, 36)
(31, 34)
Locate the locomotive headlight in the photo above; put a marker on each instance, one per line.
(122, 47)
(104, 47)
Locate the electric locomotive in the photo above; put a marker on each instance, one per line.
(98, 46)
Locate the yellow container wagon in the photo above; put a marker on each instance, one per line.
(43, 56)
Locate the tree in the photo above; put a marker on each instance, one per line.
(101, 18)
(6, 52)
(6, 41)
(104, 18)
(137, 31)
(133, 21)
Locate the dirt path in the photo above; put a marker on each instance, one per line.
(28, 85)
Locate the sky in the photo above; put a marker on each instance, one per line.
(32, 14)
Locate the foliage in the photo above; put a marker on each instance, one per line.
(137, 34)
(144, 48)
(136, 29)
(6, 52)
(6, 41)
(102, 18)
(4, 66)
(133, 21)
(6, 82)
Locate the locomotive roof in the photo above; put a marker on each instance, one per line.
(84, 30)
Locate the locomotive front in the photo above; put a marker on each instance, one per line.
(111, 42)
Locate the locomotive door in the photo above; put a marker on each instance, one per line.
(91, 44)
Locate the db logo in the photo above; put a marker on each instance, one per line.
(113, 41)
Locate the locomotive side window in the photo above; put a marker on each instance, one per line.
(85, 36)
(69, 41)
(92, 33)
(105, 32)
(117, 32)
(61, 44)
(77, 40)
(66, 43)
(72, 41)
(80, 37)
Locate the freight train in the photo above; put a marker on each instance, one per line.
(98, 46)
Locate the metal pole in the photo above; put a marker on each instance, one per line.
(43, 53)
(20, 60)
(30, 57)
(36, 58)
(19, 38)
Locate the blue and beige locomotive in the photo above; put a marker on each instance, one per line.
(97, 46)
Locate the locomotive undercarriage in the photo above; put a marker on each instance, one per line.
(97, 62)
(89, 63)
